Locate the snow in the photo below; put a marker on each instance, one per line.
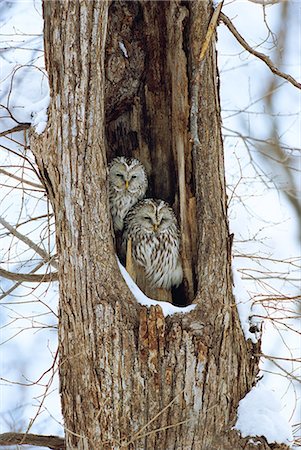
(123, 49)
(24, 81)
(259, 414)
(245, 307)
(167, 308)
(39, 114)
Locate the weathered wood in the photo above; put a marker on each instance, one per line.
(138, 275)
(131, 378)
(129, 261)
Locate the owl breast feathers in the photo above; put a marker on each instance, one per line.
(127, 185)
(152, 227)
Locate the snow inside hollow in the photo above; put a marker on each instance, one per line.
(245, 307)
(167, 308)
(123, 49)
(259, 414)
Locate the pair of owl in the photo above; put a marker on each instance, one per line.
(150, 223)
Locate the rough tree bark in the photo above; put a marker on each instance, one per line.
(125, 78)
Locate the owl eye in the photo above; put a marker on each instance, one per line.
(147, 218)
(119, 175)
(134, 176)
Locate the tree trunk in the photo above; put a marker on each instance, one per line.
(128, 75)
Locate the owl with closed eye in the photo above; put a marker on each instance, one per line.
(154, 232)
(127, 185)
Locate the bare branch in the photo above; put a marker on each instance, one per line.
(15, 177)
(29, 242)
(265, 2)
(53, 442)
(16, 285)
(20, 127)
(210, 31)
(259, 55)
(25, 159)
(10, 114)
(31, 278)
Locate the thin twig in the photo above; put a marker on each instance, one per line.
(20, 127)
(15, 286)
(26, 159)
(29, 242)
(259, 55)
(289, 375)
(15, 177)
(265, 2)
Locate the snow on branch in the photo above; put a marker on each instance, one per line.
(259, 55)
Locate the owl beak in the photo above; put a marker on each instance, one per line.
(126, 184)
(155, 226)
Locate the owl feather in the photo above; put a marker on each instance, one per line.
(153, 229)
(127, 185)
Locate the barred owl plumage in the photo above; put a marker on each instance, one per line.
(153, 229)
(127, 185)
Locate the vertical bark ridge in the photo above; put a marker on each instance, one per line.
(131, 378)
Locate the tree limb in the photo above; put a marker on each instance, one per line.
(31, 278)
(29, 242)
(259, 55)
(265, 2)
(53, 442)
(15, 177)
(18, 283)
(22, 126)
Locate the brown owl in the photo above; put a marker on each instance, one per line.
(127, 185)
(153, 229)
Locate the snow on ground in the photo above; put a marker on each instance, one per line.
(167, 308)
(259, 414)
(39, 114)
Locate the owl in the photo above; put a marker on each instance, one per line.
(127, 185)
(153, 229)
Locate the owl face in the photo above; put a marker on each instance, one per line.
(155, 216)
(152, 227)
(128, 176)
(127, 185)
